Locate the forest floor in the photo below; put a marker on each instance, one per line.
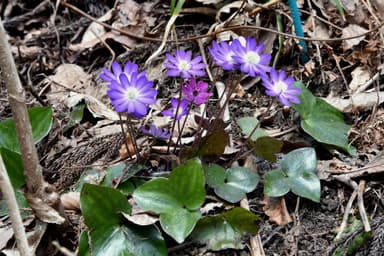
(46, 37)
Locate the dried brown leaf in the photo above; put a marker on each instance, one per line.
(276, 209)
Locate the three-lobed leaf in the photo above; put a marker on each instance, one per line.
(231, 184)
(177, 199)
(297, 173)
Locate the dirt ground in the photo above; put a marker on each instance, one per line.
(44, 36)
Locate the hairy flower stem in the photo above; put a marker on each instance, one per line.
(133, 137)
(259, 122)
(174, 121)
(182, 128)
(124, 136)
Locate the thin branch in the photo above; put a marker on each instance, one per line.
(14, 213)
(40, 195)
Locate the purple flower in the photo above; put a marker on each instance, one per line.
(154, 131)
(196, 92)
(250, 58)
(132, 94)
(182, 65)
(183, 109)
(222, 54)
(129, 68)
(281, 86)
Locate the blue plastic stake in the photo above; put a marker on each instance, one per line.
(298, 29)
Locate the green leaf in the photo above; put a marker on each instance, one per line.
(268, 147)
(157, 195)
(41, 122)
(297, 174)
(102, 206)
(14, 166)
(177, 199)
(188, 181)
(21, 202)
(322, 121)
(275, 183)
(179, 223)
(247, 124)
(113, 175)
(129, 239)
(83, 245)
(231, 184)
(226, 230)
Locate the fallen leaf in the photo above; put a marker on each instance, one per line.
(276, 209)
(70, 201)
(360, 101)
(352, 30)
(209, 1)
(360, 76)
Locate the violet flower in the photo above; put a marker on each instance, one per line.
(281, 86)
(132, 94)
(183, 65)
(222, 54)
(250, 58)
(155, 132)
(196, 92)
(114, 74)
(183, 109)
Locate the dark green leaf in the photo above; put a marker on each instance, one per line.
(268, 147)
(213, 145)
(41, 122)
(102, 206)
(83, 245)
(157, 195)
(176, 199)
(188, 182)
(322, 121)
(14, 166)
(247, 124)
(226, 230)
(129, 239)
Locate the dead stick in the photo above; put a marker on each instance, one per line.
(37, 188)
(14, 214)
(346, 214)
(360, 203)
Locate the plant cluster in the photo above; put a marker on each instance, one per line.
(177, 198)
